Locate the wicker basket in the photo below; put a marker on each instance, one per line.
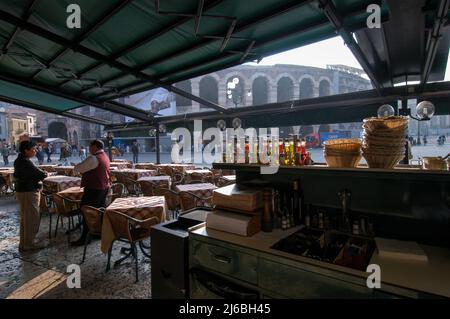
(343, 145)
(347, 161)
(390, 123)
(382, 161)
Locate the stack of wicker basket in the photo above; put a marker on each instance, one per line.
(384, 140)
(342, 152)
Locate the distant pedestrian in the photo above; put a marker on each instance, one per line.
(40, 155)
(82, 153)
(135, 151)
(5, 153)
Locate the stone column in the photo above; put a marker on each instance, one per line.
(273, 93)
(195, 86)
(296, 92)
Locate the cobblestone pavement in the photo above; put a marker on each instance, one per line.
(43, 273)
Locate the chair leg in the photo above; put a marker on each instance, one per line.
(88, 237)
(50, 226)
(109, 257)
(68, 232)
(57, 222)
(135, 255)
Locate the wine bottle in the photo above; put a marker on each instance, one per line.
(299, 205)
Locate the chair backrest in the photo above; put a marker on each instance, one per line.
(147, 187)
(94, 218)
(118, 191)
(133, 187)
(172, 198)
(189, 200)
(120, 225)
(62, 207)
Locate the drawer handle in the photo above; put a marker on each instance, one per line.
(222, 259)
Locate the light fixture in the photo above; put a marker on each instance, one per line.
(231, 85)
(386, 110)
(221, 125)
(237, 123)
(425, 111)
(249, 93)
(236, 80)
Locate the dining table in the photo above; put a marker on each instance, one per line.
(57, 183)
(202, 190)
(148, 182)
(140, 208)
(198, 175)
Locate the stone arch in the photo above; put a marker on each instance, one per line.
(209, 89)
(185, 86)
(285, 89)
(239, 97)
(324, 86)
(57, 129)
(260, 90)
(306, 87)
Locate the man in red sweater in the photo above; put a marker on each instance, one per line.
(95, 180)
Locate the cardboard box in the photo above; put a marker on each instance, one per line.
(238, 198)
(240, 224)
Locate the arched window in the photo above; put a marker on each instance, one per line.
(285, 89)
(260, 91)
(306, 89)
(185, 86)
(209, 90)
(324, 88)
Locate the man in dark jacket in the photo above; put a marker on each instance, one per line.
(28, 192)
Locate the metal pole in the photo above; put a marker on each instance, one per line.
(158, 155)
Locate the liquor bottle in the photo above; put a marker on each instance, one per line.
(281, 153)
(303, 151)
(247, 152)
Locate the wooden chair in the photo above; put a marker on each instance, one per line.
(118, 191)
(130, 230)
(94, 220)
(172, 199)
(132, 186)
(65, 207)
(177, 179)
(147, 187)
(46, 205)
(190, 200)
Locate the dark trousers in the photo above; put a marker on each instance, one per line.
(135, 158)
(95, 198)
(5, 159)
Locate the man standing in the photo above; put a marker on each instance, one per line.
(135, 151)
(95, 180)
(28, 192)
(5, 154)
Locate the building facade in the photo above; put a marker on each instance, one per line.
(4, 136)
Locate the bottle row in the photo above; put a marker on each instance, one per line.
(269, 150)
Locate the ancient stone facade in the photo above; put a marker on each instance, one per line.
(270, 84)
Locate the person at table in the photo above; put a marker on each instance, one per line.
(94, 172)
(28, 193)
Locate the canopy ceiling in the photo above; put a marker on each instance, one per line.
(127, 46)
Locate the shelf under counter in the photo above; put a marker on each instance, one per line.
(404, 278)
(399, 172)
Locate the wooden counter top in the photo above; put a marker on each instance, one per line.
(431, 277)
